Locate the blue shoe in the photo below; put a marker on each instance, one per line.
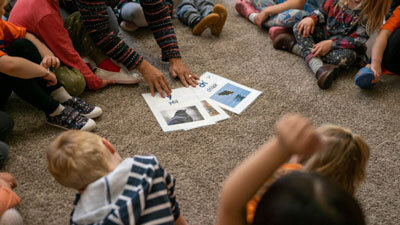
(364, 77)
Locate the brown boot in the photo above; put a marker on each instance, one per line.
(223, 14)
(326, 74)
(284, 41)
(209, 21)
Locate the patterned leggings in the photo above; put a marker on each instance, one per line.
(341, 57)
(287, 18)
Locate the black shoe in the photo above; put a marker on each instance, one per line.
(326, 74)
(284, 41)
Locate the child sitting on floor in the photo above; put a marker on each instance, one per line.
(202, 14)
(296, 198)
(334, 36)
(277, 15)
(385, 53)
(25, 70)
(112, 190)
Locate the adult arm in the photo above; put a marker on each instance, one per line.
(295, 135)
(57, 38)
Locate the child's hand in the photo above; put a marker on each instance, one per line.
(261, 17)
(322, 48)
(306, 26)
(7, 180)
(51, 78)
(50, 61)
(377, 69)
(297, 134)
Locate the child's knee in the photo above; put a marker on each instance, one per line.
(11, 217)
(72, 80)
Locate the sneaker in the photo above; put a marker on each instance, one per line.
(83, 107)
(121, 77)
(275, 31)
(71, 119)
(326, 74)
(284, 41)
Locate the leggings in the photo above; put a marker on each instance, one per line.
(341, 57)
(33, 91)
(391, 56)
(287, 18)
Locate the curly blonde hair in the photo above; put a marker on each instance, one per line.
(78, 158)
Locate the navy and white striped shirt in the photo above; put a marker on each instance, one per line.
(138, 191)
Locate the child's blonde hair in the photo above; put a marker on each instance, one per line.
(78, 158)
(344, 158)
(372, 12)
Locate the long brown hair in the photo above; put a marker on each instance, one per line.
(344, 158)
(372, 13)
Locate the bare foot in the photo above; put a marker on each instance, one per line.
(245, 8)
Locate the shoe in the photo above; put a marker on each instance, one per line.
(284, 42)
(128, 26)
(208, 21)
(121, 77)
(223, 14)
(326, 74)
(245, 8)
(364, 77)
(275, 31)
(83, 107)
(71, 119)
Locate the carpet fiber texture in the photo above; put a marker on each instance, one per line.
(201, 159)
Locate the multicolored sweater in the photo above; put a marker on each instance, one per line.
(95, 20)
(342, 25)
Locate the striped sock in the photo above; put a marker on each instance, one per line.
(314, 64)
(296, 50)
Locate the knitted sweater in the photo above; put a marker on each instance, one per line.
(95, 20)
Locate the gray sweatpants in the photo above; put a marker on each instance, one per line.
(190, 12)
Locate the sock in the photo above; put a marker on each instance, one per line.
(108, 65)
(59, 109)
(60, 94)
(314, 64)
(251, 17)
(296, 50)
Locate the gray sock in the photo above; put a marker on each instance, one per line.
(60, 94)
(314, 64)
(296, 50)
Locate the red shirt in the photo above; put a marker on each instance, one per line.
(8, 33)
(42, 18)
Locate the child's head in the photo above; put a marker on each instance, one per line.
(344, 158)
(372, 12)
(78, 158)
(307, 198)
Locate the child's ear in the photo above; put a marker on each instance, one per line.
(108, 145)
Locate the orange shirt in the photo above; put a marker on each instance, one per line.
(252, 204)
(8, 33)
(8, 199)
(394, 21)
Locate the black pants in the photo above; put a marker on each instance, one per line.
(33, 91)
(6, 125)
(391, 56)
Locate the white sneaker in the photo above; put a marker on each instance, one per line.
(121, 77)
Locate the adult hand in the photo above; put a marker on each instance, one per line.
(107, 82)
(297, 135)
(377, 69)
(322, 48)
(306, 26)
(50, 61)
(51, 78)
(154, 78)
(7, 180)
(178, 69)
(260, 18)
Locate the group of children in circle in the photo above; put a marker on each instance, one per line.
(329, 34)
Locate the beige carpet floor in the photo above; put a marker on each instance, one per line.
(201, 158)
